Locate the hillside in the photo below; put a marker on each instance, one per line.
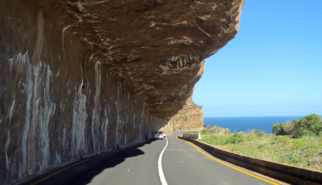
(190, 117)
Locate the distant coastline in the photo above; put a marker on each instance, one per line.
(237, 124)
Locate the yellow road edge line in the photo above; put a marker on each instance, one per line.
(47, 177)
(228, 164)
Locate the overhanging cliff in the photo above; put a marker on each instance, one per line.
(156, 46)
(79, 78)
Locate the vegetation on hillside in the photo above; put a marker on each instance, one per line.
(310, 125)
(298, 143)
(178, 117)
(215, 130)
(191, 132)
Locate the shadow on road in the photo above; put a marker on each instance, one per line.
(83, 173)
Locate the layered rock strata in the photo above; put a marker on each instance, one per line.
(79, 78)
(190, 117)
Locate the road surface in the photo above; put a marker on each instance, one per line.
(182, 164)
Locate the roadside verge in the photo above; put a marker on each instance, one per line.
(286, 173)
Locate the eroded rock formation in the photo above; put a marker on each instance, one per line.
(83, 77)
(156, 46)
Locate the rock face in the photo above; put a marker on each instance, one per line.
(156, 46)
(79, 78)
(190, 117)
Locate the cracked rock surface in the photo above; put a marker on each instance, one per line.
(157, 46)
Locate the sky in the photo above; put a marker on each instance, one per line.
(273, 67)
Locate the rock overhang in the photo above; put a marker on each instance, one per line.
(157, 47)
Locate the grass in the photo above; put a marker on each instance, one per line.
(302, 152)
(215, 130)
(191, 132)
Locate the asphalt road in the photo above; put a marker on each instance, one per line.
(182, 164)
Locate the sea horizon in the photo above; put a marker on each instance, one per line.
(252, 116)
(248, 123)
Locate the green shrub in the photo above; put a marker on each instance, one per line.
(227, 132)
(278, 129)
(235, 138)
(305, 132)
(259, 133)
(309, 125)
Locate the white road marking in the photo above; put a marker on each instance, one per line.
(162, 178)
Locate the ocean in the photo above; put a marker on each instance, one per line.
(236, 124)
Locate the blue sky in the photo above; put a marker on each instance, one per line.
(273, 67)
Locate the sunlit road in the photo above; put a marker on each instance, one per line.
(182, 164)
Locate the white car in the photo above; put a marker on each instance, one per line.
(164, 135)
(158, 135)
